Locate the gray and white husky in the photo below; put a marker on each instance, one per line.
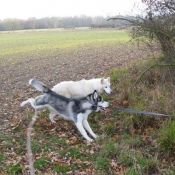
(75, 109)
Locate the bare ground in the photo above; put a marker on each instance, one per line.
(62, 65)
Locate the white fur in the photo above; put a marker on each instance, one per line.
(83, 88)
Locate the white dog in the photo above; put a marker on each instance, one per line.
(72, 89)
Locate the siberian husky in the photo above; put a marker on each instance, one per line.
(83, 87)
(75, 109)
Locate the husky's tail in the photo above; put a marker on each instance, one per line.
(39, 86)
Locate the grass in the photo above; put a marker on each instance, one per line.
(127, 143)
(15, 169)
(166, 137)
(38, 41)
(146, 134)
(41, 163)
(1, 158)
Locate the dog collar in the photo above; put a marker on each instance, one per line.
(94, 107)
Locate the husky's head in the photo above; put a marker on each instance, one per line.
(97, 101)
(105, 83)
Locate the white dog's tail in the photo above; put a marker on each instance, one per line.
(39, 86)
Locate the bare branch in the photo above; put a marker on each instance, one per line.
(29, 150)
(155, 65)
(158, 25)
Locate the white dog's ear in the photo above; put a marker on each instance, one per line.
(102, 80)
(108, 79)
(95, 94)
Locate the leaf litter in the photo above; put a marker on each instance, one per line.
(85, 62)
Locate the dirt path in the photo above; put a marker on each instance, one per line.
(66, 65)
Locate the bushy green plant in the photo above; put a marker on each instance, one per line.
(166, 138)
(138, 163)
(61, 168)
(14, 169)
(110, 149)
(115, 73)
(102, 163)
(41, 163)
(109, 127)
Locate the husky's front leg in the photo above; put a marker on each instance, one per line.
(88, 128)
(80, 127)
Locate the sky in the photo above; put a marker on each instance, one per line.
(24, 9)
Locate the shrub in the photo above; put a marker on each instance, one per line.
(166, 137)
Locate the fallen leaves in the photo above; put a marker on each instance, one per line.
(14, 121)
(58, 143)
(72, 140)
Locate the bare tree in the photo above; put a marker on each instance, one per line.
(156, 23)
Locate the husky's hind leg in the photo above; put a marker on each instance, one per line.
(52, 115)
(32, 101)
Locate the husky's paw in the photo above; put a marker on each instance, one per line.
(90, 140)
(96, 137)
(51, 117)
(52, 120)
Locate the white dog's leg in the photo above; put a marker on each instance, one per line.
(88, 128)
(80, 127)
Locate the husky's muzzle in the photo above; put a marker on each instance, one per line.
(103, 106)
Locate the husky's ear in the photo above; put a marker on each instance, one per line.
(108, 79)
(95, 94)
(102, 80)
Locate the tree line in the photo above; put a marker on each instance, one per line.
(57, 22)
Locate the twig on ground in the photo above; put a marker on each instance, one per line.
(29, 150)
